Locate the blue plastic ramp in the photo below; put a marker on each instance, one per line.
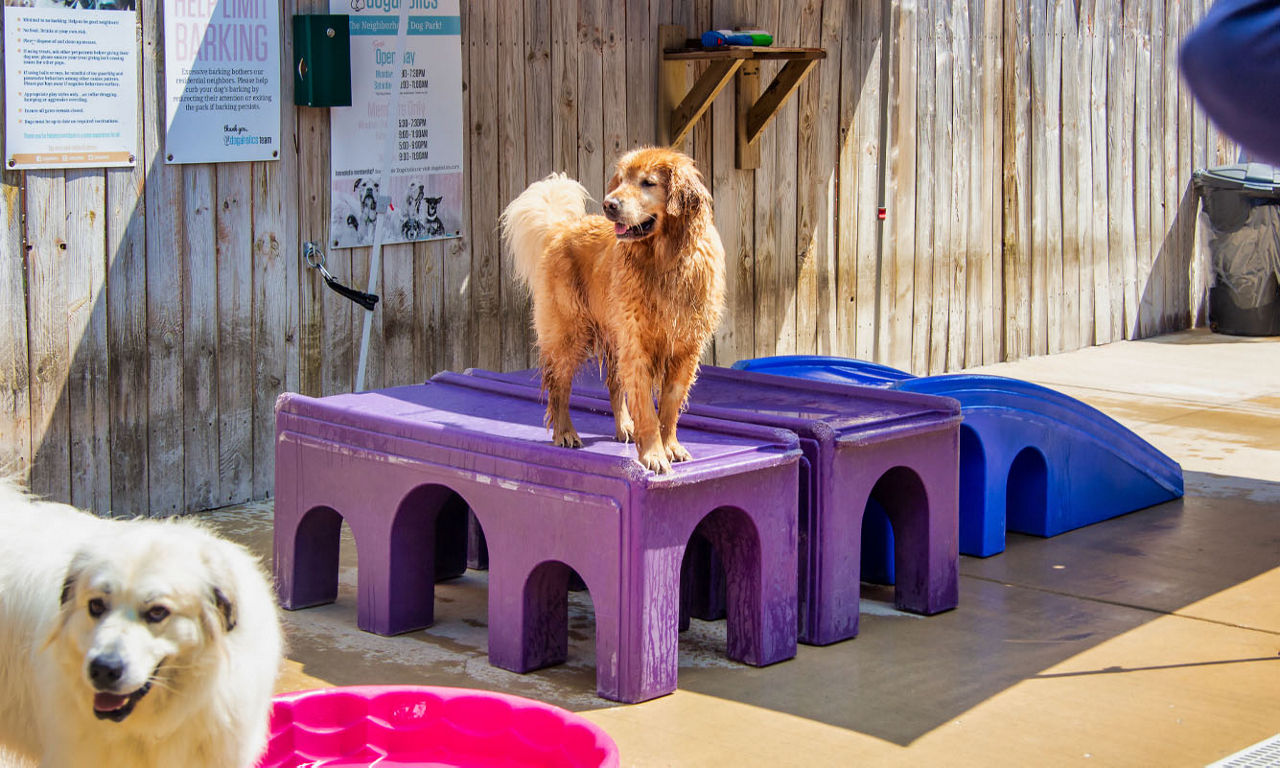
(1032, 459)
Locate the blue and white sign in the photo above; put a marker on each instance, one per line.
(425, 186)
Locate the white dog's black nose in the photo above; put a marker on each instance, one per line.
(610, 206)
(106, 670)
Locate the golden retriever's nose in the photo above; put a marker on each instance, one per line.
(610, 207)
(106, 670)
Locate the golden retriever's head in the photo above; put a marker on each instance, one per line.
(144, 611)
(649, 186)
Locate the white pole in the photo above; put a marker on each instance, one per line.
(388, 159)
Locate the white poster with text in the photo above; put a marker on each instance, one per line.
(222, 80)
(71, 85)
(425, 183)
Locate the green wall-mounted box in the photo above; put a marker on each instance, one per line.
(322, 60)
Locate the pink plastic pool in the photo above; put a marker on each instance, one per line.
(412, 725)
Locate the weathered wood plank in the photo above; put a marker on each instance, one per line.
(1124, 314)
(270, 312)
(894, 329)
(15, 385)
(199, 339)
(1154, 288)
(165, 225)
(459, 315)
(1040, 161)
(930, 261)
(49, 345)
(782, 191)
(1016, 184)
(615, 83)
(965, 163)
(1137, 315)
(818, 107)
(485, 206)
(288, 161)
(591, 105)
(733, 191)
(512, 149)
(642, 69)
(87, 392)
(315, 333)
(1075, 185)
(867, 61)
(234, 241)
(772, 295)
(992, 280)
(1100, 237)
(1056, 316)
(127, 352)
(564, 78)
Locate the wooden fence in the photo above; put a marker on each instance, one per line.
(1031, 159)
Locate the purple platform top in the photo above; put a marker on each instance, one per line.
(814, 409)
(506, 420)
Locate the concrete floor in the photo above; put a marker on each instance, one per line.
(1148, 640)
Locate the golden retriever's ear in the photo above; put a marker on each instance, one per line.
(686, 194)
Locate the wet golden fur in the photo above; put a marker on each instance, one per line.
(641, 289)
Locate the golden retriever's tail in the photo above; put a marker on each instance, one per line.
(538, 211)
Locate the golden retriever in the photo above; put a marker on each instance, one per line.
(640, 288)
(138, 643)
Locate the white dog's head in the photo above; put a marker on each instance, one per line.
(145, 613)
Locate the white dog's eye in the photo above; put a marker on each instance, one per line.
(97, 607)
(156, 614)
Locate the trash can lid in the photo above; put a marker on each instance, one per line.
(1254, 177)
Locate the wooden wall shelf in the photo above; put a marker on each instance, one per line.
(681, 105)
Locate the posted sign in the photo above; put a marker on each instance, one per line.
(425, 184)
(71, 85)
(222, 80)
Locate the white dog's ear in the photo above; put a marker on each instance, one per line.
(226, 607)
(686, 193)
(74, 571)
(68, 589)
(221, 605)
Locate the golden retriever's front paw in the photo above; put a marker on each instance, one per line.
(676, 452)
(624, 429)
(655, 460)
(567, 438)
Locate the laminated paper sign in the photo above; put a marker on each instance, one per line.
(71, 84)
(425, 184)
(222, 80)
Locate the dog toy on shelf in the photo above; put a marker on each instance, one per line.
(717, 38)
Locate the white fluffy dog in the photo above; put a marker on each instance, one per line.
(132, 644)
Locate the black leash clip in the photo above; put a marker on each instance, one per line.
(315, 259)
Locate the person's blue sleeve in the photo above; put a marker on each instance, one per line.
(1231, 63)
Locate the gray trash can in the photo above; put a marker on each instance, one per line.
(1242, 202)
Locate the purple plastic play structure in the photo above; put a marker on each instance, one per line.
(897, 450)
(394, 462)
(397, 726)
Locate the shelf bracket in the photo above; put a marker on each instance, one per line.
(740, 63)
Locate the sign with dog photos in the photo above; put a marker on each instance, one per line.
(425, 185)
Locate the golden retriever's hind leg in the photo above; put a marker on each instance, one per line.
(624, 426)
(557, 379)
(680, 375)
